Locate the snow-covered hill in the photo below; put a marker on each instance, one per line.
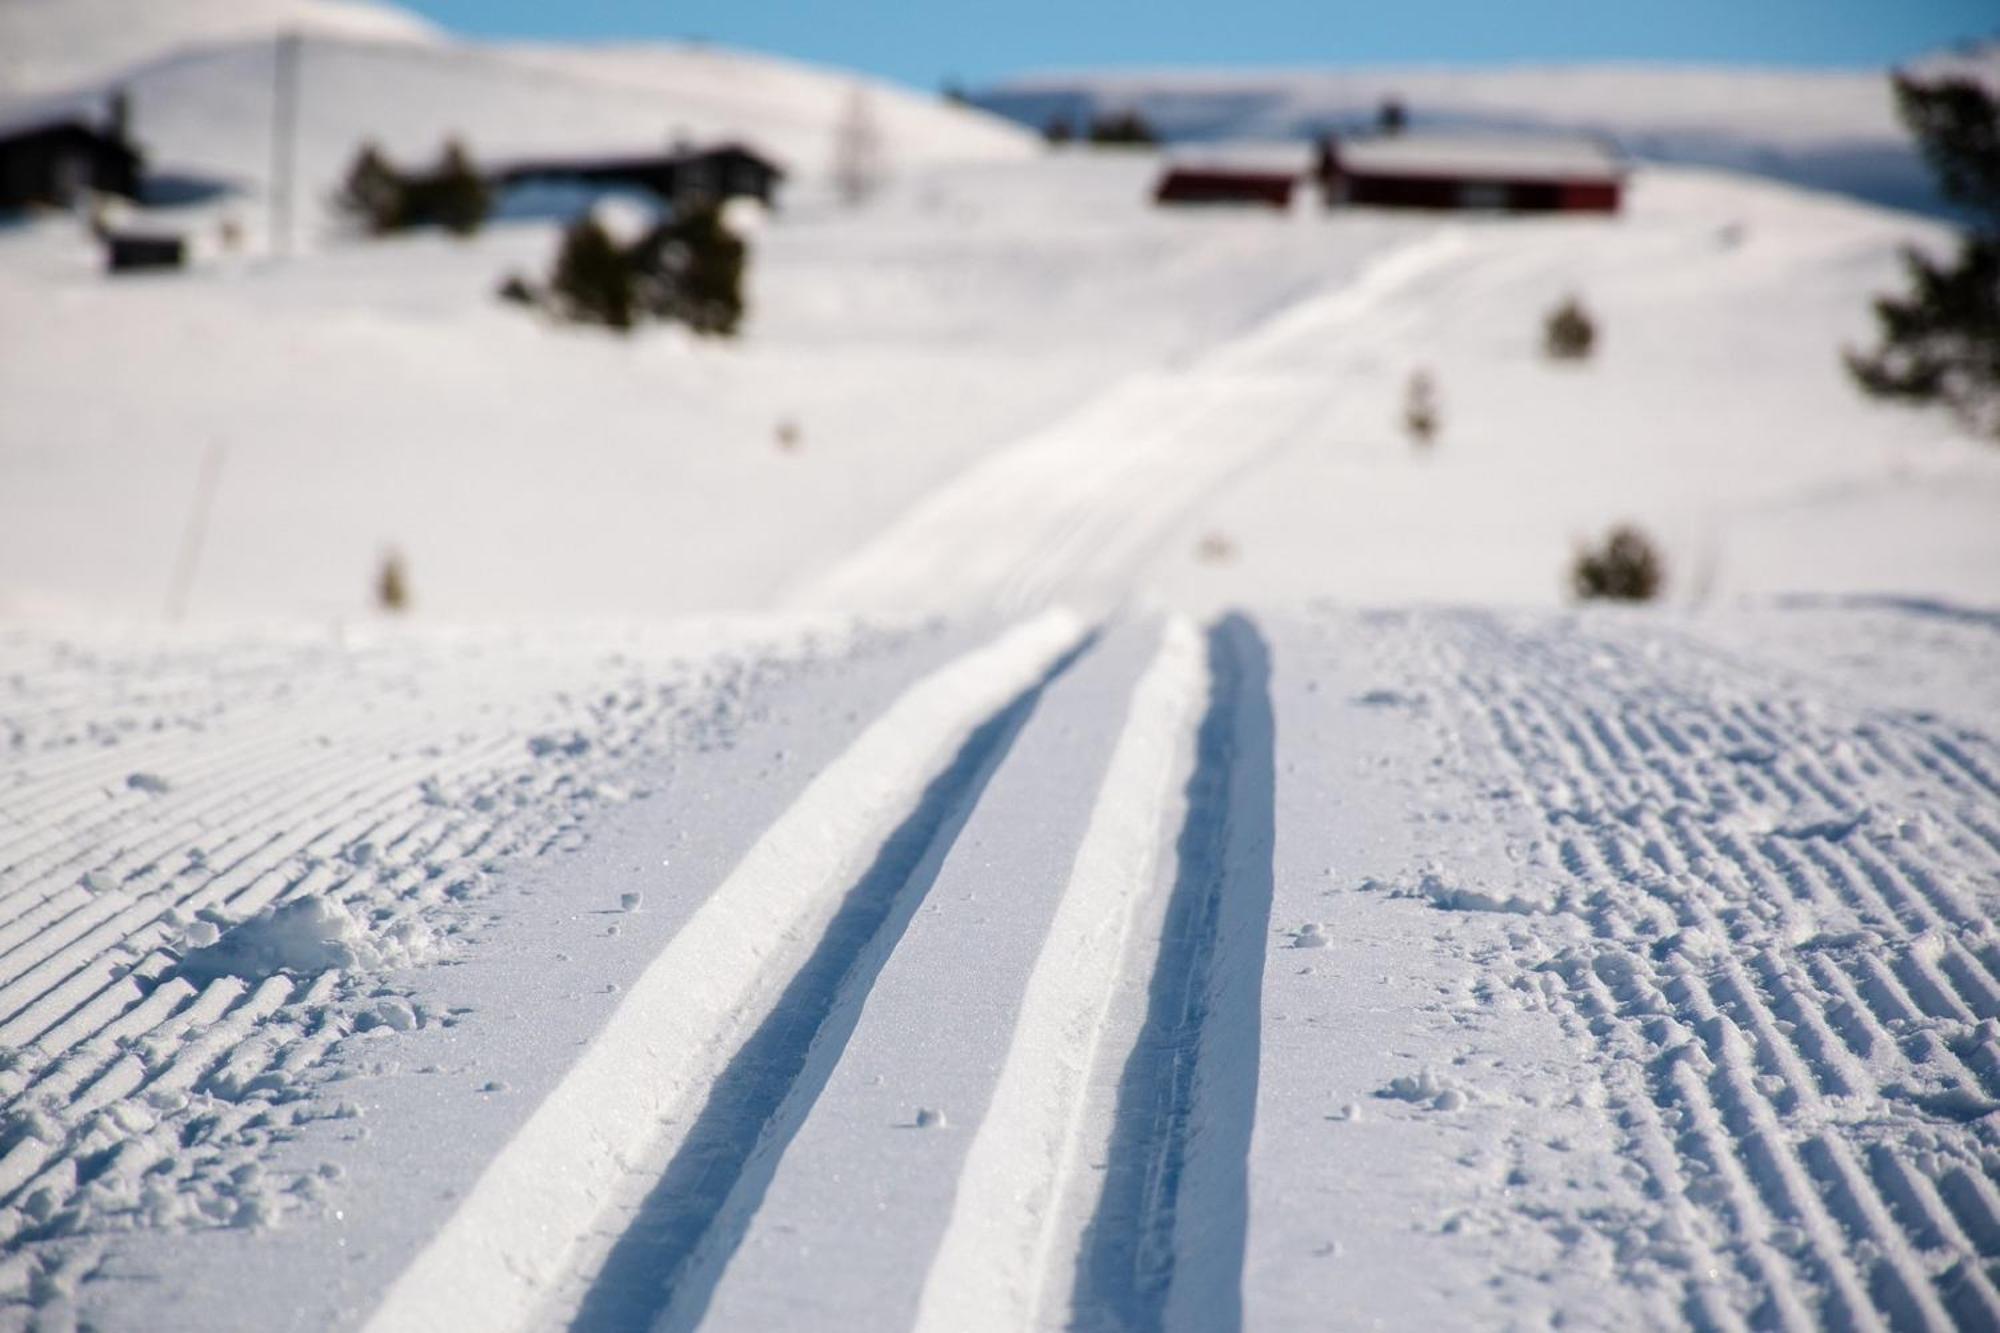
(1830, 129)
(1081, 878)
(202, 105)
(48, 46)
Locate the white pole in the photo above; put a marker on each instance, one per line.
(197, 531)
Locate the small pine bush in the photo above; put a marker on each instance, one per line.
(593, 278)
(688, 270)
(392, 584)
(1569, 333)
(1626, 568)
(453, 196)
(1421, 413)
(372, 194)
(1123, 129)
(383, 199)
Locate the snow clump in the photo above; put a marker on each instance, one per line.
(304, 937)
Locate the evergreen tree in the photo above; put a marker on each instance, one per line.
(592, 282)
(373, 192)
(1940, 342)
(690, 269)
(458, 196)
(1123, 129)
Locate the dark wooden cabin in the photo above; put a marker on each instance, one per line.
(1477, 172)
(1225, 185)
(680, 176)
(58, 158)
(135, 252)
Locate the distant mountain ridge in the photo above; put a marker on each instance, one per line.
(1825, 129)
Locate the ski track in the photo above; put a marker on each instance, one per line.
(1762, 909)
(1164, 1247)
(1065, 515)
(151, 791)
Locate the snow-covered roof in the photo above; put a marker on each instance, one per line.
(1509, 156)
(30, 114)
(1257, 157)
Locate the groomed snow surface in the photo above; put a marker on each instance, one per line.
(1292, 970)
(1011, 796)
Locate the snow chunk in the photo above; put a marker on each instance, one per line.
(304, 937)
(1312, 935)
(574, 744)
(1425, 1088)
(1452, 898)
(391, 1011)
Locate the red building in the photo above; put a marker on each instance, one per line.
(1482, 172)
(1247, 174)
(1225, 185)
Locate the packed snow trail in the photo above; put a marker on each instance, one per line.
(1068, 514)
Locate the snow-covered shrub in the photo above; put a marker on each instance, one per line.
(1626, 568)
(1422, 417)
(1569, 333)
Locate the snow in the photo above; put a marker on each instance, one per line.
(1511, 156)
(50, 46)
(1011, 796)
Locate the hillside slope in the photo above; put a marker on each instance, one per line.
(47, 46)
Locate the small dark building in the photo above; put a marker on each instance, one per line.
(1477, 172)
(1258, 174)
(680, 176)
(132, 252)
(1225, 185)
(58, 157)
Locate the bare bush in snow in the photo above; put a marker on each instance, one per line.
(1569, 333)
(1422, 416)
(1627, 567)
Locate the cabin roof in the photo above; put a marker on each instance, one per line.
(88, 112)
(1480, 156)
(1253, 158)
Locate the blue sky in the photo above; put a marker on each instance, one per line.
(926, 41)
